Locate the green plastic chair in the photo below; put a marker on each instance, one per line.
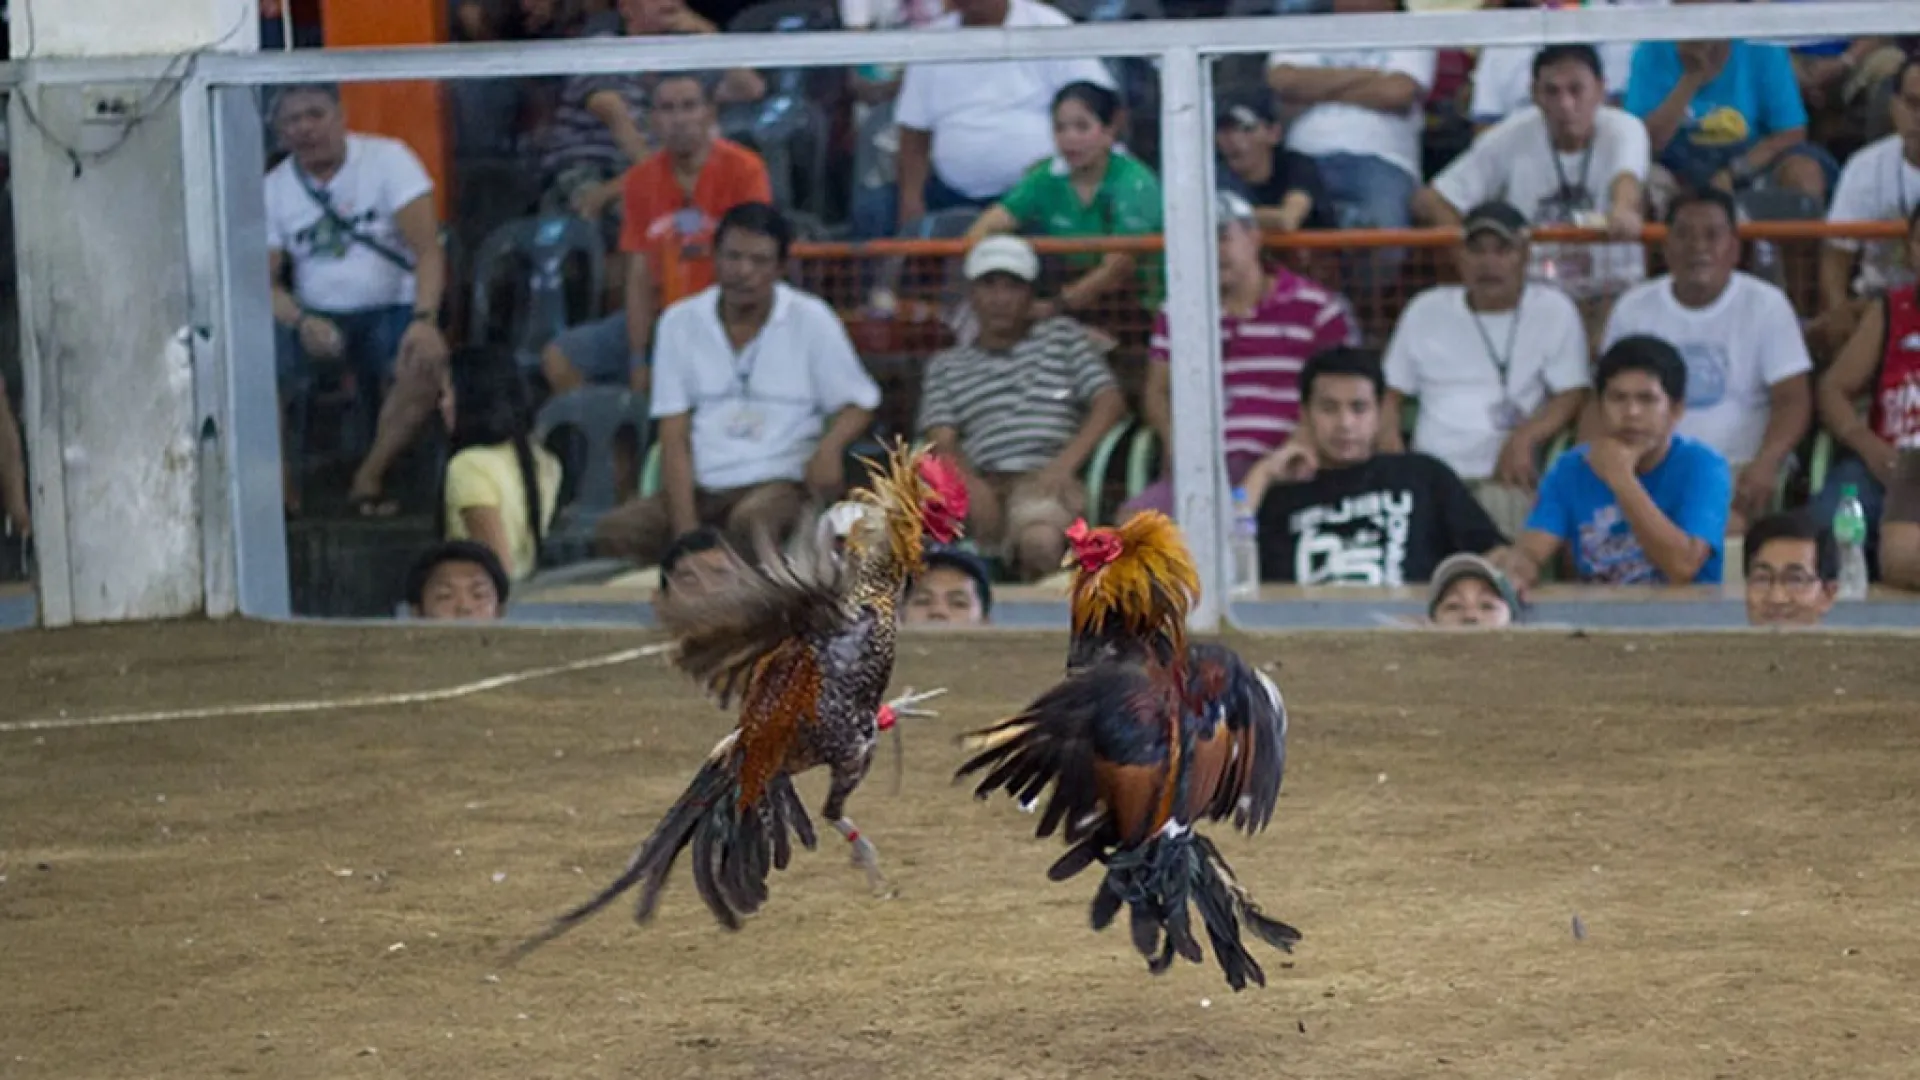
(650, 472)
(1096, 475)
(1140, 451)
(1821, 462)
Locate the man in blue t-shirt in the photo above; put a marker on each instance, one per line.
(1639, 504)
(1726, 114)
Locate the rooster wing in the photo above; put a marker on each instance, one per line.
(1235, 726)
(723, 635)
(1102, 738)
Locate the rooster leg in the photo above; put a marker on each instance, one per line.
(864, 855)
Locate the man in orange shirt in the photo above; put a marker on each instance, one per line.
(671, 202)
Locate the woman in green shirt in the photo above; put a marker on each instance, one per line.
(1090, 188)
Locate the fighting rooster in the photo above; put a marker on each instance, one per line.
(1148, 734)
(804, 642)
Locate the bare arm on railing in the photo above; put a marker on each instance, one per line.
(1843, 384)
(993, 221)
(1085, 291)
(1625, 198)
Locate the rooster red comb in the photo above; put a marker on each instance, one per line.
(944, 508)
(1139, 570)
(1092, 548)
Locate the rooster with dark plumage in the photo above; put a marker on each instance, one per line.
(1148, 735)
(804, 641)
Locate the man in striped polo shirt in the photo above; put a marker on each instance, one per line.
(1020, 408)
(1271, 321)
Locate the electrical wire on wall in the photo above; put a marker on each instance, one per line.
(166, 88)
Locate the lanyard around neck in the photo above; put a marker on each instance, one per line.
(1502, 362)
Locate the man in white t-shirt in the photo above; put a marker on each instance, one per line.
(351, 222)
(968, 131)
(1749, 395)
(1881, 182)
(1498, 366)
(1569, 159)
(1365, 114)
(746, 375)
(1503, 75)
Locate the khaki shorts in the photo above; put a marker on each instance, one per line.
(1903, 495)
(1025, 503)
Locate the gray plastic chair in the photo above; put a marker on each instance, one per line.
(1778, 204)
(597, 414)
(544, 245)
(792, 114)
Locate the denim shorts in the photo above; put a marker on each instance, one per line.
(371, 340)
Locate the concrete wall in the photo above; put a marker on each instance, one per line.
(70, 28)
(106, 308)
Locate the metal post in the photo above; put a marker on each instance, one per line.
(1193, 323)
(208, 349)
(238, 402)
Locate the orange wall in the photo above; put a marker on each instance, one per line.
(413, 112)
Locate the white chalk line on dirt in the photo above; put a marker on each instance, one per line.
(365, 701)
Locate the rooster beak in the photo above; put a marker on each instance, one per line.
(1067, 560)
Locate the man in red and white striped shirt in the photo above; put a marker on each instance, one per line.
(1272, 321)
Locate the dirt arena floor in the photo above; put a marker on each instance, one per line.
(331, 894)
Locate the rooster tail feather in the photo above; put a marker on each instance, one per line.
(734, 848)
(1157, 881)
(998, 735)
(1268, 929)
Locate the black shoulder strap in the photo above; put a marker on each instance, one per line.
(325, 203)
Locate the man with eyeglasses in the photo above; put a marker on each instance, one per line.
(1793, 570)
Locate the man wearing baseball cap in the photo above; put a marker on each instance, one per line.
(1468, 591)
(1272, 321)
(1020, 407)
(1283, 186)
(955, 589)
(1497, 365)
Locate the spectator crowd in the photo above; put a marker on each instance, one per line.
(1603, 410)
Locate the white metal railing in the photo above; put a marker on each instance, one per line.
(224, 208)
(1206, 37)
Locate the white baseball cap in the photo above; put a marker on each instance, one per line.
(1003, 254)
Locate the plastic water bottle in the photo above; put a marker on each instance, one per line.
(1244, 543)
(1850, 532)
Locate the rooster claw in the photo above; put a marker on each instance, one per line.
(907, 704)
(866, 858)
